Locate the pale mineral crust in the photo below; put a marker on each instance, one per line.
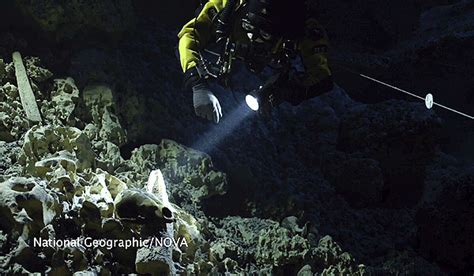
(67, 179)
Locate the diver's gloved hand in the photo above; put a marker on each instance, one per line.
(206, 105)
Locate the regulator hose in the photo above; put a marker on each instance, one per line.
(223, 21)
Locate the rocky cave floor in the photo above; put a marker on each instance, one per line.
(335, 186)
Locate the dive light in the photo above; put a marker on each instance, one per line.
(252, 102)
(263, 96)
(253, 99)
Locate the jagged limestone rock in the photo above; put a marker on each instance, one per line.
(114, 185)
(263, 242)
(8, 160)
(266, 245)
(10, 92)
(187, 227)
(16, 269)
(60, 108)
(111, 130)
(228, 265)
(143, 160)
(97, 96)
(3, 96)
(24, 255)
(244, 233)
(154, 261)
(328, 250)
(64, 157)
(43, 142)
(201, 267)
(109, 157)
(85, 171)
(342, 270)
(3, 239)
(13, 122)
(62, 164)
(93, 271)
(58, 265)
(34, 71)
(278, 246)
(189, 172)
(26, 203)
(331, 257)
(75, 259)
(108, 154)
(222, 250)
(114, 229)
(99, 100)
(2, 69)
(305, 271)
(91, 131)
(291, 223)
(10, 72)
(99, 196)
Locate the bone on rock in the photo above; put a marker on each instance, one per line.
(26, 93)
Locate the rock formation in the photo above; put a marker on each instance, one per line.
(339, 185)
(66, 179)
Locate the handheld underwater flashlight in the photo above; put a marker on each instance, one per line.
(263, 97)
(253, 101)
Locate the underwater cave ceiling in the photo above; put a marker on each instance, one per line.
(359, 181)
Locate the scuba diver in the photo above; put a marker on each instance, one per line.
(273, 34)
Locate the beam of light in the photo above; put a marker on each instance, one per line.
(418, 97)
(252, 102)
(226, 127)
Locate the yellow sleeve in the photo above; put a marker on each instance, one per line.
(196, 33)
(314, 52)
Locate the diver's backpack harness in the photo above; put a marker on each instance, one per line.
(221, 66)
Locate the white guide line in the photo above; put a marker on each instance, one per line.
(416, 96)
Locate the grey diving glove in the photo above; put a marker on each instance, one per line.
(206, 105)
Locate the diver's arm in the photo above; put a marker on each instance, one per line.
(192, 38)
(196, 33)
